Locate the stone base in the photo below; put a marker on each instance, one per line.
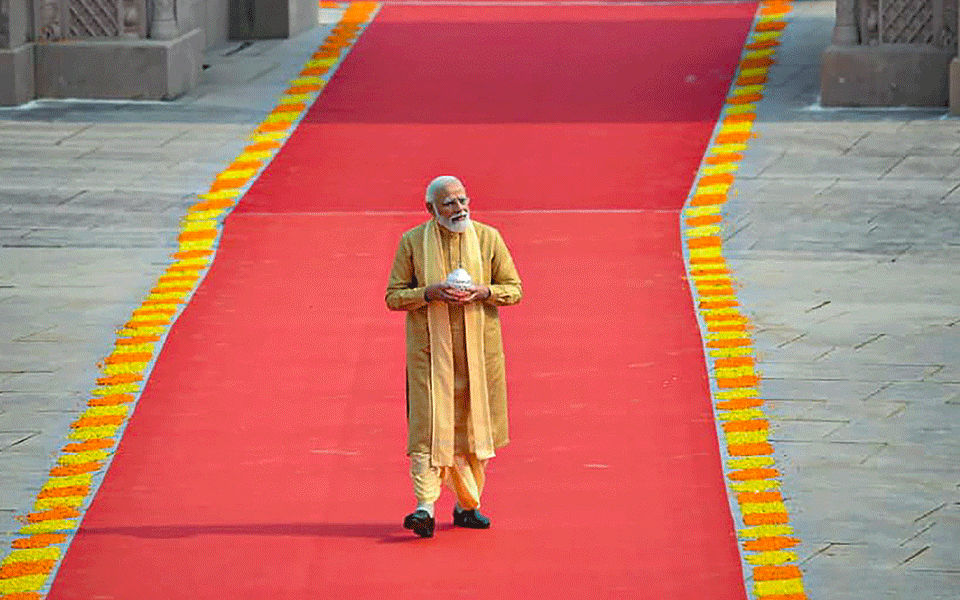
(119, 69)
(16, 75)
(884, 75)
(955, 86)
(265, 19)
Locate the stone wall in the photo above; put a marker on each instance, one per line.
(891, 53)
(152, 49)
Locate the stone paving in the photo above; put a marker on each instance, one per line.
(91, 195)
(843, 236)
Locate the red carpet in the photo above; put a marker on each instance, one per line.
(265, 458)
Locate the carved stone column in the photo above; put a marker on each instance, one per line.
(4, 23)
(49, 20)
(845, 32)
(164, 23)
(955, 79)
(16, 52)
(134, 19)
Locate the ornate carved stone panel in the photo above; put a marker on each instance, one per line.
(135, 18)
(4, 23)
(49, 18)
(95, 18)
(927, 22)
(72, 19)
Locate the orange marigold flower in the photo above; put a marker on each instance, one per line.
(123, 377)
(731, 343)
(748, 425)
(748, 474)
(127, 357)
(745, 99)
(766, 518)
(21, 569)
(88, 445)
(773, 572)
(709, 304)
(54, 514)
(734, 361)
(737, 382)
(704, 242)
(203, 206)
(732, 138)
(64, 492)
(704, 220)
(303, 89)
(111, 400)
(708, 199)
(68, 470)
(767, 544)
(40, 540)
(317, 71)
(757, 449)
(763, 45)
(748, 497)
(719, 159)
(97, 421)
(739, 403)
(203, 234)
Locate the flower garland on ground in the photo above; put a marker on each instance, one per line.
(27, 569)
(766, 535)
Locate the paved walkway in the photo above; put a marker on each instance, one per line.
(91, 197)
(846, 248)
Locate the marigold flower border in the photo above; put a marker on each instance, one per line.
(28, 569)
(753, 480)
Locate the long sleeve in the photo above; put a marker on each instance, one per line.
(505, 288)
(404, 292)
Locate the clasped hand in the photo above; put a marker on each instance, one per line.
(453, 295)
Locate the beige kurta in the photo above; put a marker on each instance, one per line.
(405, 292)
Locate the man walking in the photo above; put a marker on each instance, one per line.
(450, 274)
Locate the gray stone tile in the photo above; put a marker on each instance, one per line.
(925, 167)
(854, 192)
(837, 412)
(902, 143)
(802, 430)
(853, 371)
(814, 389)
(797, 164)
(11, 438)
(920, 391)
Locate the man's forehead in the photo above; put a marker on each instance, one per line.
(453, 189)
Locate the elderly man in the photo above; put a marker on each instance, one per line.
(450, 274)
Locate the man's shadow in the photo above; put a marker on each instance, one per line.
(384, 533)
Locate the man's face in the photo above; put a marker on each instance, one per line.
(450, 206)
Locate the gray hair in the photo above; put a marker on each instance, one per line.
(438, 184)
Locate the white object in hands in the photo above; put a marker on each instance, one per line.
(460, 279)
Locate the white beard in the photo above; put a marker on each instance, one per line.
(455, 226)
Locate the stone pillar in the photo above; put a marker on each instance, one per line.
(263, 19)
(163, 26)
(845, 31)
(889, 53)
(16, 52)
(955, 79)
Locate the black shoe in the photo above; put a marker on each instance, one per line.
(420, 522)
(471, 519)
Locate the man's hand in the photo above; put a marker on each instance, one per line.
(475, 294)
(442, 292)
(452, 295)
